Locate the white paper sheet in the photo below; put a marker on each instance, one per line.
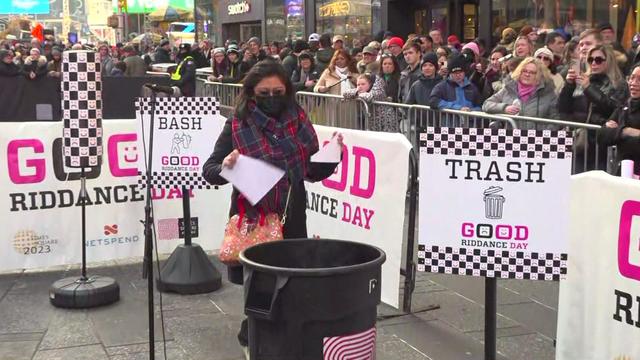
(252, 177)
(330, 153)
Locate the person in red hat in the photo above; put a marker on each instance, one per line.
(454, 43)
(395, 46)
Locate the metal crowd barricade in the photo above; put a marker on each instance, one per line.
(226, 93)
(334, 110)
(588, 154)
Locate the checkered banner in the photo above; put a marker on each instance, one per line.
(81, 109)
(185, 131)
(494, 202)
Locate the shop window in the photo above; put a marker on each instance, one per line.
(285, 20)
(350, 18)
(439, 20)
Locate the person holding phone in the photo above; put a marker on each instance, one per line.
(603, 91)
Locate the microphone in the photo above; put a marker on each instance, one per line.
(159, 88)
(349, 77)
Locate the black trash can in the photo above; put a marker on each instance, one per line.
(312, 299)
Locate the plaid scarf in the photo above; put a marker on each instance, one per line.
(287, 142)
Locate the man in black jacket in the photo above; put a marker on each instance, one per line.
(7, 67)
(420, 91)
(290, 63)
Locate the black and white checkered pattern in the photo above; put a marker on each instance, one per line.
(171, 180)
(492, 263)
(82, 109)
(187, 106)
(516, 143)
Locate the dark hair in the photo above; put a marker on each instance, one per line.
(396, 66)
(121, 65)
(500, 49)
(325, 40)
(428, 37)
(552, 36)
(569, 48)
(261, 70)
(354, 52)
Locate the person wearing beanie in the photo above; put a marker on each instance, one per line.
(7, 67)
(54, 67)
(257, 54)
(163, 53)
(409, 75)
(454, 43)
(508, 38)
(220, 64)
(235, 71)
(184, 76)
(324, 54)
(420, 91)
(304, 78)
(290, 63)
(456, 92)
(395, 46)
(545, 56)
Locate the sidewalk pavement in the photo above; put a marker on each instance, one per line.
(205, 326)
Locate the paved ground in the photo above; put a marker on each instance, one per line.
(205, 326)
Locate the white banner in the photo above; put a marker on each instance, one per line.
(364, 201)
(40, 216)
(599, 308)
(494, 202)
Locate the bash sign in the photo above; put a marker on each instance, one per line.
(494, 202)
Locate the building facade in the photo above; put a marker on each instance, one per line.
(279, 20)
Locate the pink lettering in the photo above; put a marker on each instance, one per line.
(522, 233)
(503, 232)
(13, 161)
(629, 209)
(467, 230)
(356, 189)
(344, 173)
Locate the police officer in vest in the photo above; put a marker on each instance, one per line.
(184, 76)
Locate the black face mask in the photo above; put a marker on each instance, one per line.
(272, 105)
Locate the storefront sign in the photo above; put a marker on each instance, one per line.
(364, 200)
(494, 202)
(336, 8)
(599, 304)
(239, 8)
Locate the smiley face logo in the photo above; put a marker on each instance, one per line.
(91, 85)
(84, 114)
(92, 123)
(91, 67)
(82, 76)
(84, 152)
(131, 154)
(73, 67)
(74, 123)
(82, 95)
(75, 142)
(93, 141)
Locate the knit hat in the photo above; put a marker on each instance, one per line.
(34, 49)
(219, 50)
(430, 57)
(452, 39)
(526, 30)
(56, 51)
(255, 40)
(509, 32)
(544, 51)
(395, 41)
(164, 42)
(305, 55)
(314, 37)
(457, 63)
(473, 46)
(605, 26)
(233, 48)
(4, 53)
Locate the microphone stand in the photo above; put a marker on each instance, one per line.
(147, 265)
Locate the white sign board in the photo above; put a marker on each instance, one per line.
(494, 202)
(599, 308)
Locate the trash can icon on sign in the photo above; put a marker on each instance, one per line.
(493, 203)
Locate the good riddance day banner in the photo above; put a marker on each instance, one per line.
(494, 202)
(599, 306)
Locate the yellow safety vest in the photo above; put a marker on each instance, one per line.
(176, 74)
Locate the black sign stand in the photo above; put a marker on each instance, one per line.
(490, 317)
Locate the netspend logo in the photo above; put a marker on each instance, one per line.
(111, 229)
(629, 240)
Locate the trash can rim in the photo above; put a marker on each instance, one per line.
(314, 271)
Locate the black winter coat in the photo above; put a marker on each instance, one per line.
(296, 225)
(236, 72)
(9, 70)
(162, 56)
(392, 86)
(420, 91)
(298, 80)
(601, 95)
(628, 147)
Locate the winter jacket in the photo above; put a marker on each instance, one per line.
(450, 95)
(235, 73)
(39, 67)
(420, 91)
(9, 70)
(187, 82)
(384, 117)
(541, 104)
(402, 63)
(299, 77)
(106, 65)
(628, 147)
(323, 58)
(162, 56)
(331, 79)
(290, 63)
(601, 96)
(136, 66)
(372, 67)
(392, 85)
(55, 66)
(408, 76)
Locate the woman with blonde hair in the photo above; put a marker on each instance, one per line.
(340, 75)
(603, 90)
(523, 47)
(527, 92)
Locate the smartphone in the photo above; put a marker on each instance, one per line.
(575, 65)
(73, 37)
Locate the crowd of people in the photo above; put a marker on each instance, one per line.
(528, 73)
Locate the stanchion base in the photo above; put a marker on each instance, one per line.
(189, 271)
(80, 293)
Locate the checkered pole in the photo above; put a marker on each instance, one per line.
(82, 109)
